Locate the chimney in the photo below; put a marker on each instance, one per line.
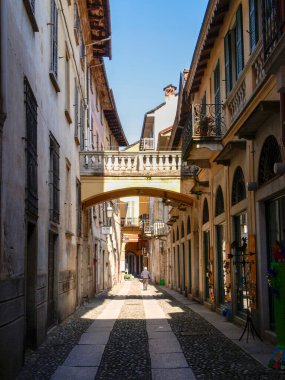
(185, 74)
(169, 91)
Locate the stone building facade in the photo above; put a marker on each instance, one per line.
(231, 132)
(55, 102)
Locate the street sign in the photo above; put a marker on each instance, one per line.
(107, 230)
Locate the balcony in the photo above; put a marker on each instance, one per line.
(129, 222)
(273, 19)
(202, 134)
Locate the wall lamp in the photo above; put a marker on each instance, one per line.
(98, 42)
(279, 168)
(252, 186)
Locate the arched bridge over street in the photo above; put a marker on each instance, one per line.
(107, 175)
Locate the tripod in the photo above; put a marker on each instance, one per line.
(240, 253)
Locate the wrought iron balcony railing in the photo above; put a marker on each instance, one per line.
(205, 121)
(273, 19)
(160, 229)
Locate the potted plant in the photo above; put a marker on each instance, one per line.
(203, 126)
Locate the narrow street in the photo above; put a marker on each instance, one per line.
(129, 333)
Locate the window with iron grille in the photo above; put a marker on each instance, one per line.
(78, 208)
(188, 225)
(31, 150)
(270, 154)
(54, 36)
(219, 209)
(205, 212)
(54, 179)
(238, 188)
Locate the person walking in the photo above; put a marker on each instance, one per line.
(145, 275)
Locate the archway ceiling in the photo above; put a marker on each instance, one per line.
(136, 191)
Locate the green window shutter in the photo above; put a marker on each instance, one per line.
(239, 42)
(217, 90)
(204, 105)
(253, 24)
(228, 62)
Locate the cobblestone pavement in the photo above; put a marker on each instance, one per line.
(208, 352)
(126, 354)
(40, 364)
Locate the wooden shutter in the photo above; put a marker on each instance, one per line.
(239, 41)
(217, 90)
(228, 62)
(253, 24)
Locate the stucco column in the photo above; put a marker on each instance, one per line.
(122, 261)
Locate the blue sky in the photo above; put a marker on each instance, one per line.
(152, 42)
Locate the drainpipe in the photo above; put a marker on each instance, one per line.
(3, 98)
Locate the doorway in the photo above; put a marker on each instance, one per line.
(31, 278)
(51, 315)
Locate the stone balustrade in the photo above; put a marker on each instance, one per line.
(147, 164)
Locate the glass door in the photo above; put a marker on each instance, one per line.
(206, 248)
(275, 219)
(241, 264)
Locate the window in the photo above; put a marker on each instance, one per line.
(76, 136)
(82, 134)
(203, 109)
(188, 225)
(217, 90)
(205, 212)
(54, 179)
(238, 189)
(78, 208)
(54, 46)
(82, 51)
(30, 6)
(32, 156)
(67, 87)
(219, 202)
(182, 229)
(253, 24)
(177, 233)
(76, 24)
(228, 63)
(54, 31)
(270, 154)
(239, 42)
(67, 198)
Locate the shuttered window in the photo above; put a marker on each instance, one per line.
(239, 42)
(253, 24)
(217, 90)
(228, 63)
(54, 35)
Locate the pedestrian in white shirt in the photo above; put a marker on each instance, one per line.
(145, 275)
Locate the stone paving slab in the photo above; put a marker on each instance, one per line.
(171, 374)
(168, 360)
(75, 373)
(85, 356)
(161, 335)
(261, 351)
(158, 327)
(103, 323)
(164, 346)
(98, 337)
